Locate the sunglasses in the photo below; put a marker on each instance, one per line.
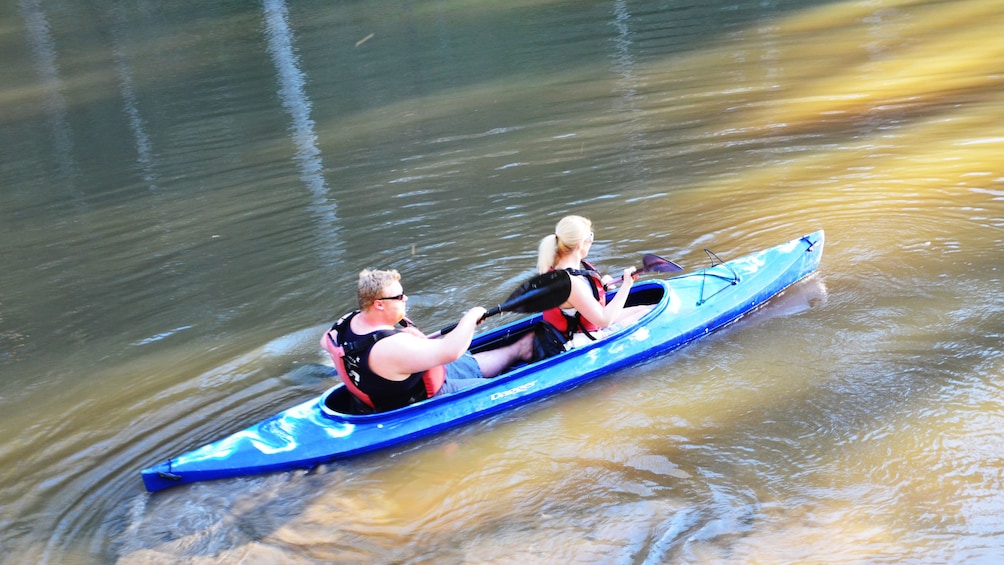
(401, 296)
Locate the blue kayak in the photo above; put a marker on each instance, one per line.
(323, 429)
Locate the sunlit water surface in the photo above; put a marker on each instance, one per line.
(190, 189)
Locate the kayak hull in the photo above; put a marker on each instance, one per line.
(320, 430)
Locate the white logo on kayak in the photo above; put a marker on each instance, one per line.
(512, 391)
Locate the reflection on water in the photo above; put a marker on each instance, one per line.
(43, 60)
(187, 201)
(296, 103)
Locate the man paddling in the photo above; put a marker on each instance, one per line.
(387, 366)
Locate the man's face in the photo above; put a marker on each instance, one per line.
(394, 299)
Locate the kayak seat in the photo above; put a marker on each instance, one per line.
(343, 401)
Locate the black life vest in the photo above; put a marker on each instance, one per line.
(350, 354)
(569, 324)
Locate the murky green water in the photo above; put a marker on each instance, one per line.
(188, 192)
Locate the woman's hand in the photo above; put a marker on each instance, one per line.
(631, 273)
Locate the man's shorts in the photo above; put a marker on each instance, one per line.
(462, 373)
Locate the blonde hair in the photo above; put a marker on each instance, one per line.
(570, 232)
(372, 283)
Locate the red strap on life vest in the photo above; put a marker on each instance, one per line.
(434, 379)
(337, 352)
(557, 318)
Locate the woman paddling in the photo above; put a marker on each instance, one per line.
(586, 313)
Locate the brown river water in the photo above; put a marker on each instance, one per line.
(188, 189)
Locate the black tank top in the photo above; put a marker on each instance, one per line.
(384, 393)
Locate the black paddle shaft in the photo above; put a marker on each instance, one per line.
(536, 294)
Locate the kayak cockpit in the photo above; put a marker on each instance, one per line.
(340, 403)
(647, 293)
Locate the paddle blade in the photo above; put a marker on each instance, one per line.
(539, 293)
(655, 264)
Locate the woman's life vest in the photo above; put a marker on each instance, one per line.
(350, 353)
(567, 323)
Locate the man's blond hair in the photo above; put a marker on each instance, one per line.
(372, 283)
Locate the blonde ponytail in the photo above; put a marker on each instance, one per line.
(547, 253)
(568, 234)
